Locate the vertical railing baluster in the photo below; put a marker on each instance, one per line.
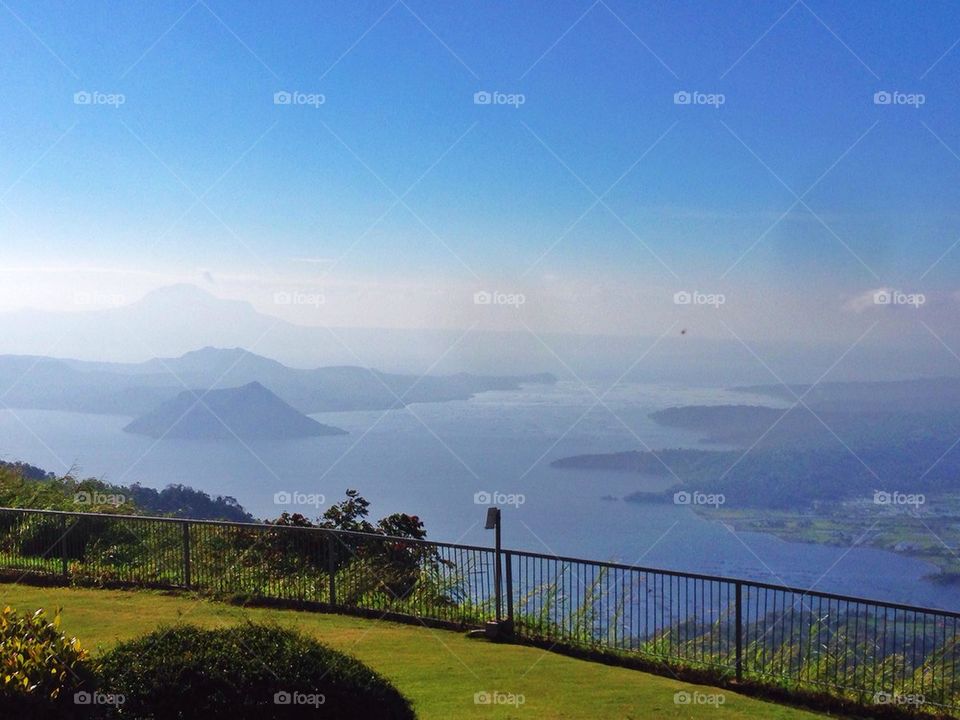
(187, 580)
(739, 631)
(64, 566)
(332, 568)
(508, 560)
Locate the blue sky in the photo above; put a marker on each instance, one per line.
(500, 194)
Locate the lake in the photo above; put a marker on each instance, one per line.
(433, 460)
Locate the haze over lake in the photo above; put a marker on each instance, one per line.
(431, 459)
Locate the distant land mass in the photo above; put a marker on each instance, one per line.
(134, 389)
(873, 463)
(662, 463)
(733, 424)
(917, 395)
(789, 478)
(791, 457)
(250, 412)
(858, 414)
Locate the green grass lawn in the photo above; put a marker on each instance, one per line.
(439, 670)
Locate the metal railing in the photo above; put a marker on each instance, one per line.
(869, 651)
(863, 650)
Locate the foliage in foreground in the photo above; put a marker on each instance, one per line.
(40, 667)
(247, 671)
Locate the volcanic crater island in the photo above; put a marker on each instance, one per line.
(250, 412)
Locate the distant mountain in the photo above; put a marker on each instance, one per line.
(250, 412)
(173, 320)
(136, 388)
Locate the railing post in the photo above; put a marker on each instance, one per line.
(64, 565)
(187, 582)
(508, 559)
(332, 566)
(739, 631)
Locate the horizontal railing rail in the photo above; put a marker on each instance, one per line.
(869, 651)
(730, 579)
(525, 553)
(235, 523)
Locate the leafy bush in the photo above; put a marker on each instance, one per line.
(247, 671)
(40, 667)
(395, 566)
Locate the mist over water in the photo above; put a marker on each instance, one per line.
(435, 459)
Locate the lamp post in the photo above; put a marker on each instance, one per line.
(493, 523)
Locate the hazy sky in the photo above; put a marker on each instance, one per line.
(588, 185)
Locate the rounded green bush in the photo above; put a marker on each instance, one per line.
(247, 671)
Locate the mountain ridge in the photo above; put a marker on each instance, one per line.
(132, 389)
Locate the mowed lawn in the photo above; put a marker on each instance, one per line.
(439, 670)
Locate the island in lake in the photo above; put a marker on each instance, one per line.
(250, 412)
(846, 464)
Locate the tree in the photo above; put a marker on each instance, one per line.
(349, 514)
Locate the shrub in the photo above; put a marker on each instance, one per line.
(394, 567)
(40, 667)
(246, 671)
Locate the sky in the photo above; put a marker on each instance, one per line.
(792, 159)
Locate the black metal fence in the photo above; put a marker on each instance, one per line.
(869, 651)
(863, 650)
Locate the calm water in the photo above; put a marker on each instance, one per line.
(432, 459)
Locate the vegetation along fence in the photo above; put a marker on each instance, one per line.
(863, 650)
